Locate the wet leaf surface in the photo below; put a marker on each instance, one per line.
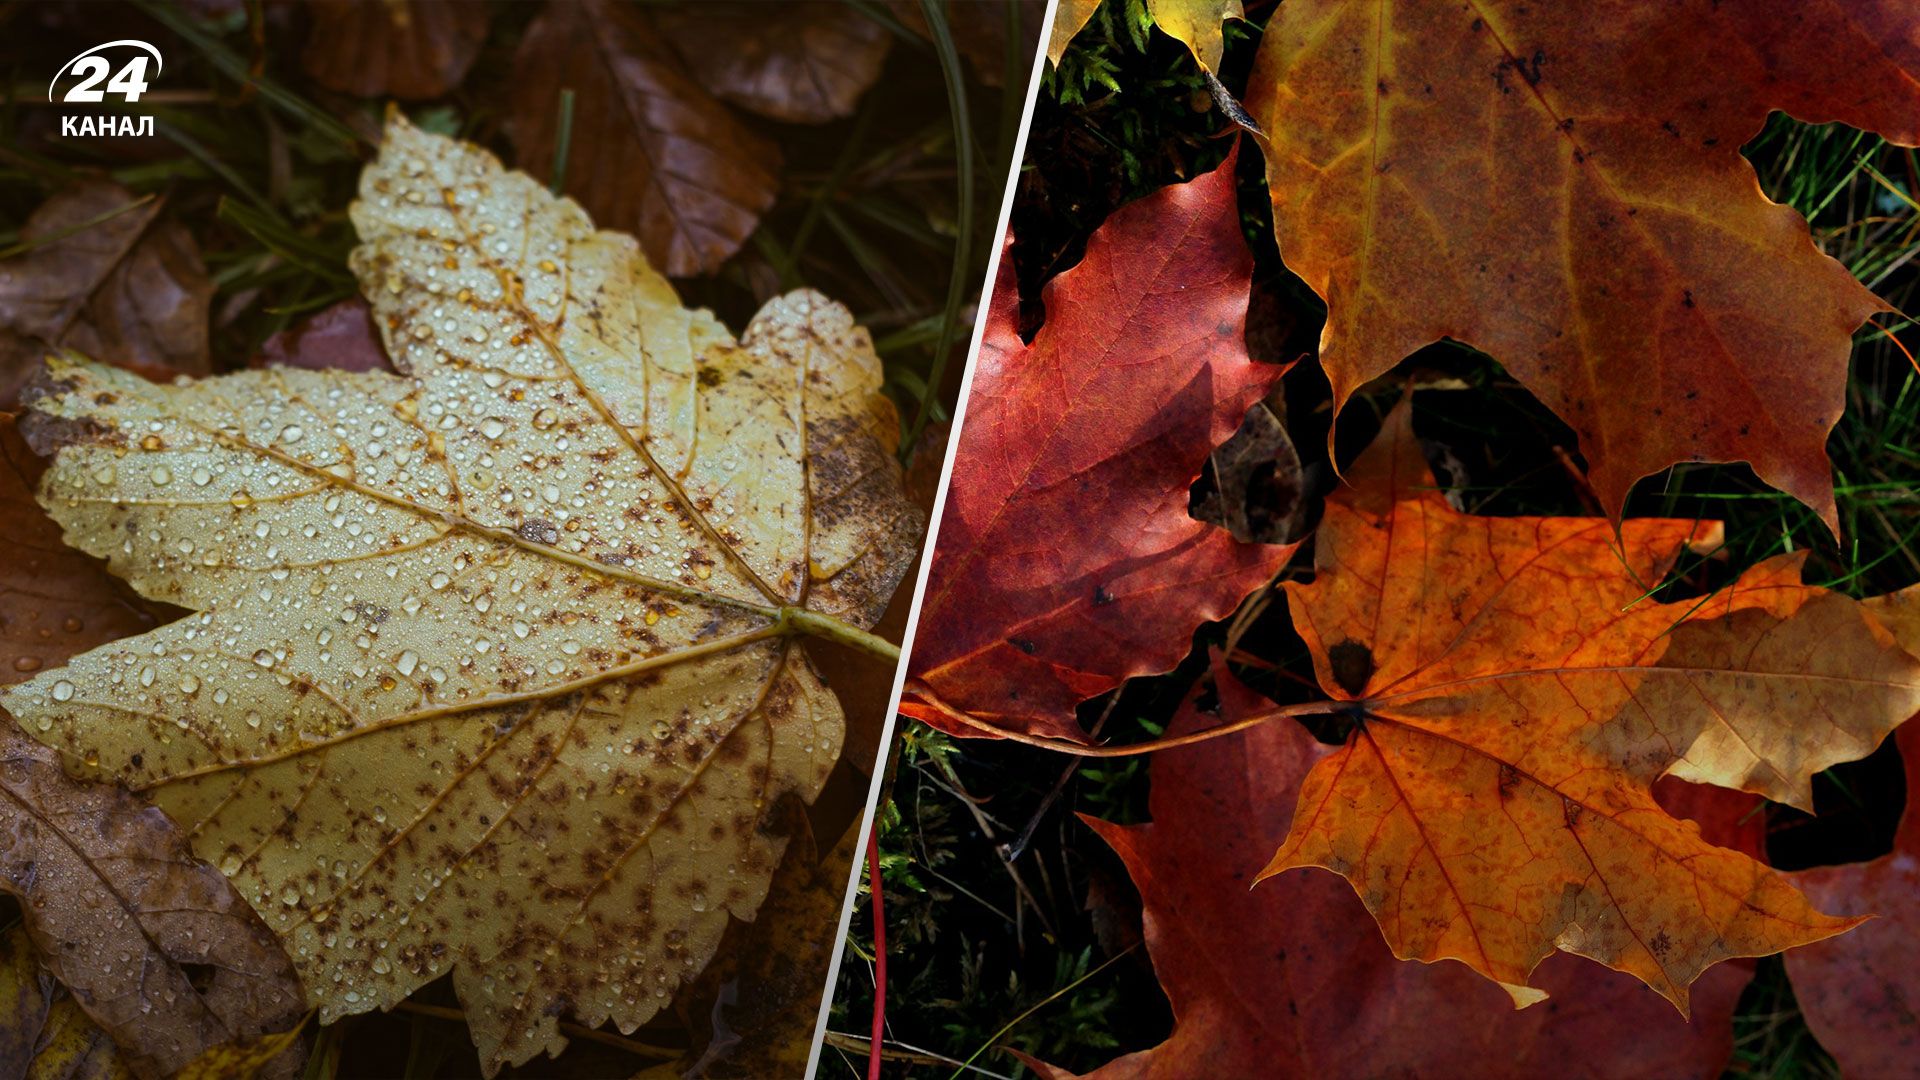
(43, 1034)
(493, 668)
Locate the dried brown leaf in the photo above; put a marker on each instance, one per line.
(651, 151)
(43, 1034)
(410, 49)
(111, 278)
(806, 62)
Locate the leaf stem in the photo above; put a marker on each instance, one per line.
(1065, 746)
(826, 626)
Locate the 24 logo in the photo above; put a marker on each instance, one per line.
(89, 70)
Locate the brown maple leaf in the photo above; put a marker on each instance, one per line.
(1561, 185)
(1860, 992)
(651, 152)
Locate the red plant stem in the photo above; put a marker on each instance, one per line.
(879, 950)
(925, 693)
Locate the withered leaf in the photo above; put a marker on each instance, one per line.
(652, 151)
(804, 62)
(1860, 992)
(110, 277)
(1257, 492)
(43, 1034)
(54, 601)
(410, 49)
(493, 668)
(1494, 802)
(153, 944)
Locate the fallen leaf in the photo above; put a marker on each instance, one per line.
(1515, 695)
(339, 338)
(979, 29)
(1253, 486)
(1193, 23)
(805, 62)
(1291, 978)
(1561, 185)
(1860, 992)
(1066, 561)
(1196, 24)
(651, 150)
(109, 277)
(769, 998)
(407, 49)
(54, 601)
(1069, 18)
(43, 1034)
(153, 944)
(494, 669)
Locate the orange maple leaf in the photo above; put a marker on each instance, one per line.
(1515, 697)
(1561, 185)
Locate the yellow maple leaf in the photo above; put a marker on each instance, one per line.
(492, 666)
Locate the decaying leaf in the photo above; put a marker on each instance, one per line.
(43, 1034)
(154, 945)
(768, 998)
(54, 601)
(1515, 696)
(1291, 978)
(1252, 486)
(107, 276)
(339, 338)
(1561, 185)
(1066, 561)
(805, 62)
(410, 49)
(651, 150)
(493, 666)
(1860, 992)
